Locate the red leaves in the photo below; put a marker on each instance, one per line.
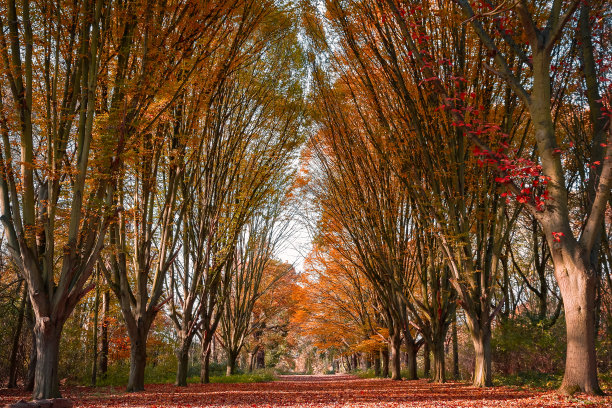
(502, 180)
(557, 236)
(325, 391)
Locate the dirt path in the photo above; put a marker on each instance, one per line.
(319, 391)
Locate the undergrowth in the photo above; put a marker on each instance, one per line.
(118, 376)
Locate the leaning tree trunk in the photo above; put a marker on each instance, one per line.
(577, 285)
(183, 362)
(395, 339)
(138, 362)
(482, 365)
(47, 337)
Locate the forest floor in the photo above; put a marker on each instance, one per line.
(319, 391)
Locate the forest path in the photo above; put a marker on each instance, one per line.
(319, 391)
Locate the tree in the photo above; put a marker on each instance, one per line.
(573, 251)
(147, 191)
(252, 263)
(248, 136)
(41, 212)
(433, 299)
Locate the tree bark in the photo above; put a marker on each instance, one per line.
(12, 382)
(426, 360)
(94, 367)
(205, 361)
(578, 290)
(455, 349)
(104, 334)
(439, 374)
(29, 385)
(377, 358)
(411, 354)
(395, 339)
(385, 362)
(231, 363)
(482, 363)
(183, 363)
(46, 380)
(138, 362)
(260, 358)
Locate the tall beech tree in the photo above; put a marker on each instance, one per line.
(544, 29)
(253, 274)
(205, 186)
(53, 189)
(432, 302)
(150, 231)
(143, 239)
(249, 133)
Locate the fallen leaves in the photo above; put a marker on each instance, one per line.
(321, 391)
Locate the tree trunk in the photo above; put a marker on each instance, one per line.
(377, 363)
(205, 360)
(12, 382)
(426, 360)
(104, 334)
(46, 380)
(385, 361)
(411, 354)
(183, 363)
(94, 366)
(231, 363)
(578, 290)
(438, 360)
(214, 356)
(482, 364)
(455, 349)
(252, 356)
(138, 362)
(29, 385)
(396, 362)
(574, 272)
(260, 358)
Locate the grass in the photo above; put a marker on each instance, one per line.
(544, 381)
(533, 380)
(364, 374)
(256, 377)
